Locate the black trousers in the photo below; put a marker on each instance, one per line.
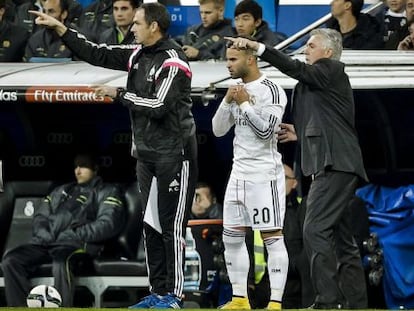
(336, 269)
(165, 251)
(19, 263)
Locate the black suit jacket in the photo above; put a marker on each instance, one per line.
(323, 114)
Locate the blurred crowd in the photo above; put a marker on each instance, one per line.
(109, 21)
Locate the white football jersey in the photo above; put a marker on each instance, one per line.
(256, 157)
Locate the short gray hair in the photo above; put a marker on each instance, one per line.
(332, 39)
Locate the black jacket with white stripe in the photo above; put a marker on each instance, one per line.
(157, 94)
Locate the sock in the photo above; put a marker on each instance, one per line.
(277, 265)
(237, 260)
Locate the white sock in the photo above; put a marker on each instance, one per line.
(277, 265)
(237, 260)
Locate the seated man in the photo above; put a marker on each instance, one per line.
(205, 41)
(205, 204)
(75, 218)
(45, 42)
(397, 36)
(248, 19)
(407, 44)
(123, 12)
(359, 31)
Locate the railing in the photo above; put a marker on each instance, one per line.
(300, 34)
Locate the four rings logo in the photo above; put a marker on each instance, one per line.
(122, 138)
(59, 138)
(32, 161)
(105, 161)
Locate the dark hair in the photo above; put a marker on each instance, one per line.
(356, 7)
(202, 184)
(156, 12)
(249, 6)
(87, 160)
(64, 5)
(2, 4)
(134, 3)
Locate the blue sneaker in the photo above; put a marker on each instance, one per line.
(169, 301)
(146, 302)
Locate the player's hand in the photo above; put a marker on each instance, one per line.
(286, 133)
(104, 90)
(243, 43)
(49, 21)
(405, 44)
(241, 95)
(231, 92)
(190, 52)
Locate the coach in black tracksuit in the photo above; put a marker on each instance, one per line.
(323, 113)
(164, 143)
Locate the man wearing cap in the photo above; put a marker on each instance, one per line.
(72, 222)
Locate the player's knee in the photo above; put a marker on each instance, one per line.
(272, 234)
(233, 237)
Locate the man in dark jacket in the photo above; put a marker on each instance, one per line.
(323, 114)
(74, 219)
(164, 142)
(205, 41)
(359, 31)
(120, 33)
(45, 43)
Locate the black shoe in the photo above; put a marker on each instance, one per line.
(326, 306)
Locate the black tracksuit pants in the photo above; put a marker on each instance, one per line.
(165, 251)
(19, 263)
(336, 268)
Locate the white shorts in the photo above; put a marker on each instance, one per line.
(260, 205)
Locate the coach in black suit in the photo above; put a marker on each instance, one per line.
(323, 113)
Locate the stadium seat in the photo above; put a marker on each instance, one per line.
(17, 205)
(125, 266)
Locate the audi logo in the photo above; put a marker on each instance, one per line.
(105, 161)
(59, 138)
(122, 138)
(32, 161)
(202, 139)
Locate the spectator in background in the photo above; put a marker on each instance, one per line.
(398, 35)
(73, 222)
(359, 31)
(123, 13)
(45, 43)
(248, 20)
(407, 44)
(13, 38)
(26, 20)
(205, 205)
(205, 41)
(392, 17)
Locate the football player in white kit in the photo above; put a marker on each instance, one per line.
(255, 194)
